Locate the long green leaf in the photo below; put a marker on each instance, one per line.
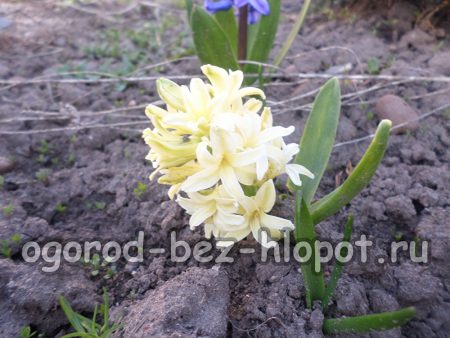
(189, 5)
(318, 137)
(358, 179)
(305, 232)
(105, 309)
(293, 34)
(211, 42)
(227, 21)
(337, 271)
(368, 323)
(261, 37)
(71, 315)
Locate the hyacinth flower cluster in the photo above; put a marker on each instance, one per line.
(217, 148)
(256, 8)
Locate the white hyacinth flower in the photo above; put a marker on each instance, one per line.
(211, 144)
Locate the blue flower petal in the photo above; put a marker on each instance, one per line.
(253, 17)
(215, 6)
(240, 3)
(261, 6)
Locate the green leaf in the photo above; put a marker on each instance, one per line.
(293, 34)
(337, 271)
(105, 308)
(358, 179)
(211, 42)
(318, 137)
(368, 323)
(261, 37)
(373, 66)
(227, 21)
(71, 315)
(189, 5)
(305, 232)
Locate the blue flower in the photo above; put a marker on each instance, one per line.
(215, 6)
(256, 8)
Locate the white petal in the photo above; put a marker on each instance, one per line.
(222, 141)
(253, 105)
(246, 175)
(266, 118)
(251, 91)
(246, 157)
(293, 175)
(235, 80)
(204, 179)
(291, 150)
(216, 75)
(262, 165)
(301, 170)
(202, 214)
(200, 93)
(204, 157)
(274, 222)
(230, 238)
(272, 133)
(265, 196)
(230, 181)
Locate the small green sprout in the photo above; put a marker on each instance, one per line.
(398, 236)
(60, 208)
(100, 205)
(71, 159)
(16, 238)
(44, 147)
(373, 66)
(2, 181)
(5, 248)
(97, 266)
(42, 175)
(140, 190)
(5, 245)
(87, 327)
(446, 113)
(8, 210)
(94, 264)
(25, 332)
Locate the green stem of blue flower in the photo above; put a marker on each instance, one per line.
(243, 33)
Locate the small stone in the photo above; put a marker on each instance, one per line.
(416, 38)
(6, 165)
(400, 208)
(381, 301)
(441, 63)
(398, 111)
(291, 69)
(316, 320)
